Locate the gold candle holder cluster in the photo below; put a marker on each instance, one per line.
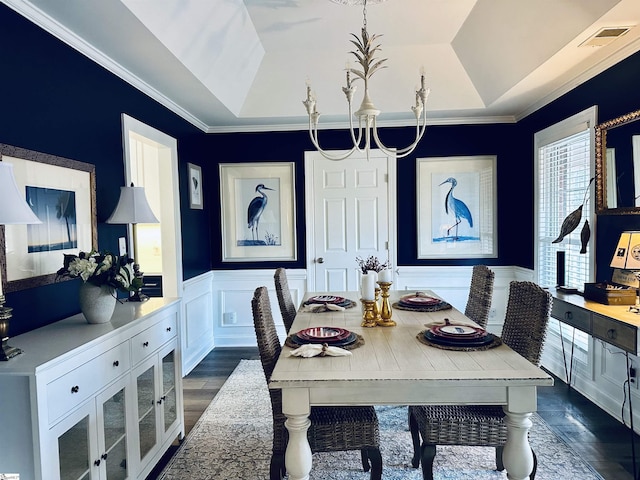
(375, 312)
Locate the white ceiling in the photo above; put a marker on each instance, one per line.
(234, 65)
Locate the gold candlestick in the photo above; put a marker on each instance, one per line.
(376, 305)
(369, 317)
(385, 311)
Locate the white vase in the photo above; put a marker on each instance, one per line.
(97, 303)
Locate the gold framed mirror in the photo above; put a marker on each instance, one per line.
(618, 165)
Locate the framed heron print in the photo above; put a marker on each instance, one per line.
(258, 211)
(457, 200)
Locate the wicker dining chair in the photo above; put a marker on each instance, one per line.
(332, 428)
(287, 308)
(480, 295)
(524, 330)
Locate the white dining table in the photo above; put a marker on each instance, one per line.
(393, 367)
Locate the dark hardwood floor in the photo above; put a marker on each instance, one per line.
(596, 436)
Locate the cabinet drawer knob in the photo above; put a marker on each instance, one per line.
(116, 363)
(612, 334)
(568, 315)
(104, 456)
(145, 344)
(97, 463)
(168, 329)
(75, 389)
(162, 399)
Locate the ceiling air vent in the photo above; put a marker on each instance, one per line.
(605, 36)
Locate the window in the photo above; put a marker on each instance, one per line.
(564, 155)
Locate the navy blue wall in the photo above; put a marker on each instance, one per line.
(58, 102)
(499, 140)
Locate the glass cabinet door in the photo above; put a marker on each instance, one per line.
(169, 400)
(114, 449)
(146, 388)
(73, 452)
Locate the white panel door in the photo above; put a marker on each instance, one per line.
(348, 216)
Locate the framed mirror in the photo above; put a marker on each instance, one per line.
(618, 165)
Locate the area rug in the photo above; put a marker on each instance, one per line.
(232, 439)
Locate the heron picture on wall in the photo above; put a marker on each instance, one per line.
(258, 211)
(263, 223)
(456, 207)
(457, 210)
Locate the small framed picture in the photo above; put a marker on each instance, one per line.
(195, 186)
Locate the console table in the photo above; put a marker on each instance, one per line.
(93, 401)
(614, 324)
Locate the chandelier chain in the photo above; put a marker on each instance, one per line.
(364, 15)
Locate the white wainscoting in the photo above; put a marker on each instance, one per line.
(217, 313)
(196, 327)
(232, 294)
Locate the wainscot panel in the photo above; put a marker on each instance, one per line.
(232, 294)
(196, 331)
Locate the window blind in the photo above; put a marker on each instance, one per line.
(564, 166)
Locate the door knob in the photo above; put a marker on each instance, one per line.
(320, 260)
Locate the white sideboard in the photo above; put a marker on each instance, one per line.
(93, 401)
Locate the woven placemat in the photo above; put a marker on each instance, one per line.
(359, 341)
(424, 308)
(497, 341)
(323, 308)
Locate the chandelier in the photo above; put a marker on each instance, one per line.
(367, 114)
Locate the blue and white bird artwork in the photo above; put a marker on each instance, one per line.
(456, 207)
(254, 212)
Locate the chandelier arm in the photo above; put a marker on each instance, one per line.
(410, 148)
(313, 134)
(398, 153)
(356, 142)
(381, 146)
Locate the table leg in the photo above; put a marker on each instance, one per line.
(517, 456)
(297, 458)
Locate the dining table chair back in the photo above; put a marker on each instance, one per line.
(332, 428)
(287, 308)
(480, 295)
(524, 330)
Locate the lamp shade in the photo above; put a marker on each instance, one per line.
(13, 207)
(627, 254)
(132, 207)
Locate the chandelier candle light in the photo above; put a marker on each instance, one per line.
(367, 114)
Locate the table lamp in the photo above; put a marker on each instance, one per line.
(627, 255)
(133, 208)
(14, 210)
